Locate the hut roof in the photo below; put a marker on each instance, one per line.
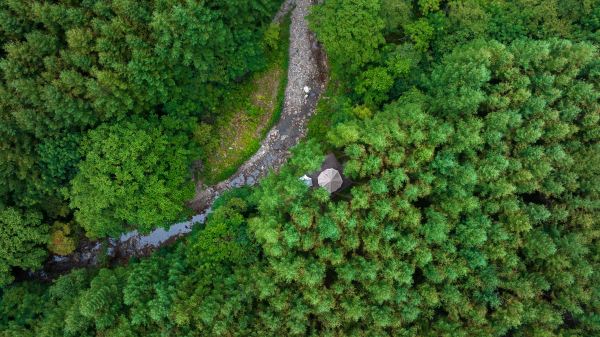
(330, 179)
(330, 162)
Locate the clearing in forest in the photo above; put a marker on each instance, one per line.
(247, 115)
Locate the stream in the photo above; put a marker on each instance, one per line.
(307, 79)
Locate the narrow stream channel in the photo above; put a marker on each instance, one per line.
(307, 79)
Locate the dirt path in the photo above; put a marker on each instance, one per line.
(307, 78)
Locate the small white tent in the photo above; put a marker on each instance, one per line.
(306, 180)
(330, 179)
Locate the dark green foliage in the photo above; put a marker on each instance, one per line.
(58, 160)
(21, 305)
(102, 302)
(148, 293)
(74, 76)
(67, 68)
(172, 293)
(21, 235)
(99, 61)
(223, 240)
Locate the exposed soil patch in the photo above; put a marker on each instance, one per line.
(241, 132)
(269, 85)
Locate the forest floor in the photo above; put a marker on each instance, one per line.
(247, 114)
(307, 79)
(238, 135)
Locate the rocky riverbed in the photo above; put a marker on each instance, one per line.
(307, 78)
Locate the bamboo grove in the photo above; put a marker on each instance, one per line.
(470, 131)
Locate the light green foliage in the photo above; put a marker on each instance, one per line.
(374, 84)
(420, 32)
(271, 38)
(463, 222)
(428, 6)
(202, 134)
(22, 238)
(362, 112)
(427, 30)
(306, 157)
(351, 32)
(101, 303)
(133, 174)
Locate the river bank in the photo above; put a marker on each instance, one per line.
(307, 79)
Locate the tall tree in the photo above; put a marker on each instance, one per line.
(134, 174)
(351, 32)
(22, 241)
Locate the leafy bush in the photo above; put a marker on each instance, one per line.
(134, 173)
(21, 235)
(62, 241)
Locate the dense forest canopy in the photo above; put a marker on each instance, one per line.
(99, 101)
(470, 131)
